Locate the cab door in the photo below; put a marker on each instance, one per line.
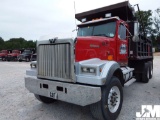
(122, 46)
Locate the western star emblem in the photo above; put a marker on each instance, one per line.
(53, 40)
(123, 49)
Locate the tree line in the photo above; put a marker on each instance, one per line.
(16, 43)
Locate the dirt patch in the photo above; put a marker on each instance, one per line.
(157, 54)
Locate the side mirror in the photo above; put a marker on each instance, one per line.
(136, 32)
(135, 38)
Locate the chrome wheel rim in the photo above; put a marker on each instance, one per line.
(114, 99)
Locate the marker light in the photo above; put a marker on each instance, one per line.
(83, 20)
(108, 15)
(110, 57)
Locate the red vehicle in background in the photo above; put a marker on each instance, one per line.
(13, 56)
(4, 53)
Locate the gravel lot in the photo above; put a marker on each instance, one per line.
(16, 103)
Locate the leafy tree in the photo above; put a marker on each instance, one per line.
(157, 28)
(146, 21)
(1, 43)
(157, 21)
(1, 40)
(17, 43)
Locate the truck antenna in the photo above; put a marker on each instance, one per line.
(75, 13)
(127, 12)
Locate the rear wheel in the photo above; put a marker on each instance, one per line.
(7, 59)
(111, 102)
(150, 69)
(3, 59)
(15, 58)
(138, 77)
(44, 99)
(145, 73)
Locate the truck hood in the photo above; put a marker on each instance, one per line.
(2, 54)
(23, 54)
(13, 54)
(91, 47)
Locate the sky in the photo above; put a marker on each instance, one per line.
(32, 19)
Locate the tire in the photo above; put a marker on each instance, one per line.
(145, 73)
(111, 94)
(27, 59)
(15, 58)
(3, 59)
(20, 60)
(150, 69)
(8, 59)
(44, 99)
(138, 77)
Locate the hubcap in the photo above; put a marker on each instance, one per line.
(113, 99)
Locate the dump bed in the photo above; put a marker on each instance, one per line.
(123, 10)
(140, 50)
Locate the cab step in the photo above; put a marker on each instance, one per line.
(129, 82)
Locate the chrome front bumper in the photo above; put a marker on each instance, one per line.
(72, 93)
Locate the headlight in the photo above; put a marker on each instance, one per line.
(88, 70)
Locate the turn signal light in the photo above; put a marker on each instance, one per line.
(110, 57)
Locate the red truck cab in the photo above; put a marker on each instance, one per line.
(13, 55)
(104, 38)
(4, 53)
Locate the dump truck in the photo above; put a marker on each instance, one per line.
(26, 55)
(4, 53)
(14, 55)
(111, 50)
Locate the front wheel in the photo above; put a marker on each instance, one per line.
(44, 99)
(111, 102)
(19, 60)
(27, 59)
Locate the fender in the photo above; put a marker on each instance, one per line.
(108, 69)
(112, 70)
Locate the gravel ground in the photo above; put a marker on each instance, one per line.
(16, 103)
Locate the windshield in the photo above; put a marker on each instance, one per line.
(4, 51)
(106, 29)
(15, 51)
(27, 52)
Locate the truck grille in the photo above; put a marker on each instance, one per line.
(54, 61)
